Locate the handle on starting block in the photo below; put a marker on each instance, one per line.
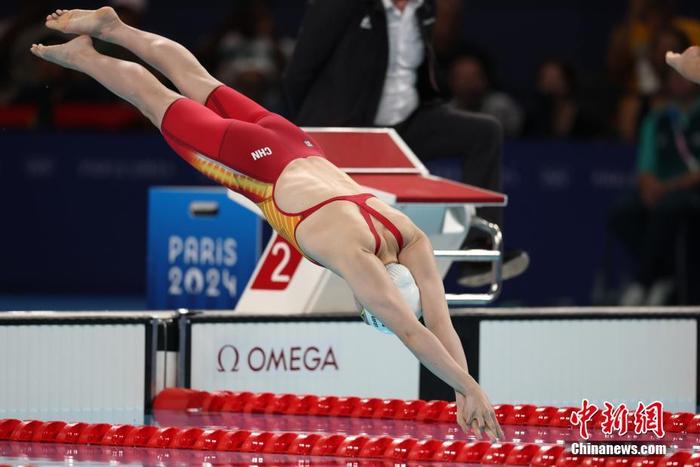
(494, 256)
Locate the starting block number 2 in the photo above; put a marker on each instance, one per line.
(278, 267)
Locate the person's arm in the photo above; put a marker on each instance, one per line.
(448, 26)
(686, 63)
(324, 24)
(351, 256)
(418, 257)
(367, 277)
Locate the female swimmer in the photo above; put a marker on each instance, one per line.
(312, 204)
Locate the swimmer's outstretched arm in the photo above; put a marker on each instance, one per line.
(687, 63)
(418, 257)
(367, 277)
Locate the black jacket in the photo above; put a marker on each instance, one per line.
(336, 75)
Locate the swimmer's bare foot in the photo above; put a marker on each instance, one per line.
(68, 55)
(97, 23)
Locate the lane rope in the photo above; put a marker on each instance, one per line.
(395, 409)
(314, 444)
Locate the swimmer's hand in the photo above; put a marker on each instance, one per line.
(687, 63)
(475, 413)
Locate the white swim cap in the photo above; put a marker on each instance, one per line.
(404, 281)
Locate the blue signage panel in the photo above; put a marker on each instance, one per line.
(202, 248)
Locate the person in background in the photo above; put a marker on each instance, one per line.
(22, 80)
(634, 106)
(29, 77)
(667, 193)
(31, 83)
(374, 63)
(631, 55)
(557, 112)
(13, 28)
(472, 87)
(247, 54)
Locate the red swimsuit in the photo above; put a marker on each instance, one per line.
(244, 147)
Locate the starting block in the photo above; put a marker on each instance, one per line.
(285, 282)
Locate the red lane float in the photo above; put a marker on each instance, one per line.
(396, 409)
(333, 445)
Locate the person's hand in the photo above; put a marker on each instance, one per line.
(475, 413)
(686, 63)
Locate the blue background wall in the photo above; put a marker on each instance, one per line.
(75, 207)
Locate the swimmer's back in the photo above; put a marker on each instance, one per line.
(307, 182)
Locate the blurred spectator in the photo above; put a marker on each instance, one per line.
(247, 54)
(374, 63)
(557, 112)
(15, 32)
(632, 63)
(29, 16)
(449, 22)
(634, 106)
(472, 86)
(31, 82)
(668, 191)
(39, 94)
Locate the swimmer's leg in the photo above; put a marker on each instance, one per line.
(194, 131)
(167, 56)
(128, 80)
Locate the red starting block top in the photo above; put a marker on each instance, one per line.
(410, 188)
(379, 159)
(367, 150)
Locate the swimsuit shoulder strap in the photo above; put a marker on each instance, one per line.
(307, 212)
(372, 228)
(364, 207)
(367, 213)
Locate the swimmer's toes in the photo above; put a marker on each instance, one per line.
(36, 49)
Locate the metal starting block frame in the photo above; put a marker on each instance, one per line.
(284, 282)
